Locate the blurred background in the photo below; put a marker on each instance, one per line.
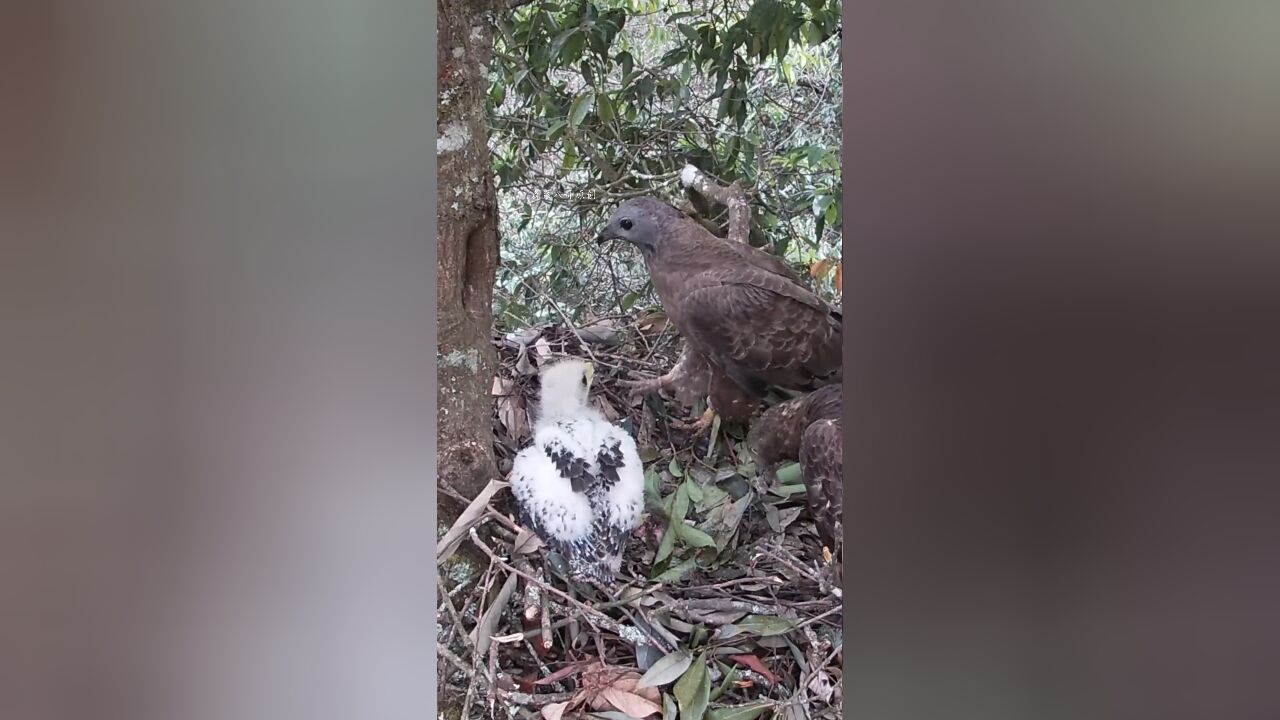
(216, 331)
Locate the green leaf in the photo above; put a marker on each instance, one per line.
(497, 94)
(694, 490)
(665, 545)
(669, 709)
(761, 625)
(626, 62)
(693, 537)
(573, 49)
(786, 491)
(628, 300)
(730, 676)
(570, 158)
(726, 105)
(740, 712)
(821, 203)
(693, 689)
(558, 44)
(689, 33)
(652, 483)
(811, 33)
(712, 496)
(604, 108)
(680, 505)
(675, 469)
(580, 107)
(789, 474)
(667, 669)
(673, 574)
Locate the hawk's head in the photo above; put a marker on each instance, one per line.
(639, 222)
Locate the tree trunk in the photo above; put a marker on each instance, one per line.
(468, 251)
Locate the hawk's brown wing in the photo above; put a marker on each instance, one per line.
(761, 329)
(822, 467)
(775, 435)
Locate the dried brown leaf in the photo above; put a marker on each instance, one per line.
(756, 664)
(554, 711)
(630, 703)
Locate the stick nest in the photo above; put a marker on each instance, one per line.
(726, 606)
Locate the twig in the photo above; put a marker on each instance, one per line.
(453, 611)
(631, 634)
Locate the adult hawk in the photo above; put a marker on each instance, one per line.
(808, 429)
(743, 313)
(580, 485)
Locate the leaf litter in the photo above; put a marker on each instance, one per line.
(722, 610)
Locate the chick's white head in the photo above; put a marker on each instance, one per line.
(566, 388)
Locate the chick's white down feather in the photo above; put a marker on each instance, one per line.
(580, 485)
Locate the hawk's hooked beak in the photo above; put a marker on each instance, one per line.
(591, 373)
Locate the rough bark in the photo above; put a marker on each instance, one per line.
(468, 251)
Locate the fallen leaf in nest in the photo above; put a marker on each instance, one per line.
(554, 711)
(525, 336)
(652, 323)
(606, 408)
(523, 366)
(543, 348)
(788, 516)
(630, 683)
(821, 686)
(756, 664)
(693, 690)
(597, 678)
(526, 543)
(759, 625)
(629, 703)
(501, 386)
(512, 413)
(601, 332)
(716, 618)
(668, 669)
(741, 712)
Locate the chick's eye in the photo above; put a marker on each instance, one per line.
(626, 224)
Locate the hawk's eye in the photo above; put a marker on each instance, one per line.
(625, 223)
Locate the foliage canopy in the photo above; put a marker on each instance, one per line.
(595, 101)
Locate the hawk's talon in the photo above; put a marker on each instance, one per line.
(643, 387)
(700, 425)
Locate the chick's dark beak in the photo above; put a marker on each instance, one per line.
(602, 238)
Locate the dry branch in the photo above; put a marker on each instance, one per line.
(732, 196)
